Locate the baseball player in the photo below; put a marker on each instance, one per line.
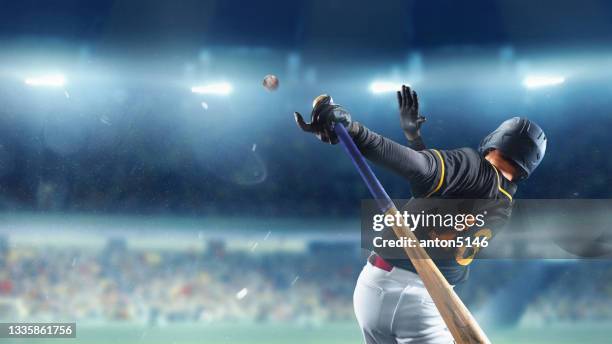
(390, 301)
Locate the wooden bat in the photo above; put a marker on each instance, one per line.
(458, 319)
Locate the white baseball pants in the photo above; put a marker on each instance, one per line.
(394, 307)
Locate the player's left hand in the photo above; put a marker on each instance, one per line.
(324, 116)
(410, 118)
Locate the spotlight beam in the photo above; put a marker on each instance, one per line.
(378, 87)
(222, 88)
(54, 80)
(537, 81)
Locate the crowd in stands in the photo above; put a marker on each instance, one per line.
(118, 283)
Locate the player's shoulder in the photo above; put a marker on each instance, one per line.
(464, 154)
(466, 163)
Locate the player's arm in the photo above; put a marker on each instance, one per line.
(419, 167)
(410, 118)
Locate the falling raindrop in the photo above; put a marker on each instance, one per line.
(242, 293)
(105, 120)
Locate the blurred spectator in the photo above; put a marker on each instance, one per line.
(150, 286)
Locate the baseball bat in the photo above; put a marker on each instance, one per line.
(456, 316)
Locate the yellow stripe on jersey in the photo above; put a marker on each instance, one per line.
(499, 184)
(441, 176)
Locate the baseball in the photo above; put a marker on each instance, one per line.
(270, 82)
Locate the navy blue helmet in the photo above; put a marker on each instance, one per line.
(520, 140)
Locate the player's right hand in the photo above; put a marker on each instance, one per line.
(325, 114)
(410, 118)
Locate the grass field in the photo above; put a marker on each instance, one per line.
(273, 334)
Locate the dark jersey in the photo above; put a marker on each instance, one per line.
(442, 174)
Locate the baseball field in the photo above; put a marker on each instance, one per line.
(336, 333)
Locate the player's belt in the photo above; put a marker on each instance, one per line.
(380, 263)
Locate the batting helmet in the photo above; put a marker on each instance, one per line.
(519, 140)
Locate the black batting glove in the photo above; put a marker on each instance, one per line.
(410, 119)
(323, 117)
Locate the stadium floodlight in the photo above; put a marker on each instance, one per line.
(536, 81)
(222, 88)
(385, 87)
(51, 80)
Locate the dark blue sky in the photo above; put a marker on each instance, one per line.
(387, 26)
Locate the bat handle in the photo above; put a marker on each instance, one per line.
(376, 189)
